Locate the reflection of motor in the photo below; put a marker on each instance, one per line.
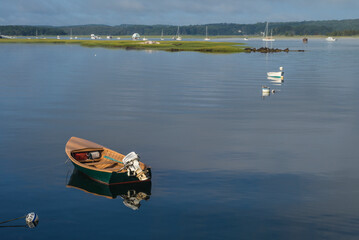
(132, 164)
(132, 200)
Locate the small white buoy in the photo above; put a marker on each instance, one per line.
(95, 55)
(32, 219)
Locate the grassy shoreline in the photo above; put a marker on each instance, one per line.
(172, 46)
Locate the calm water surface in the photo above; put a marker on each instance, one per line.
(227, 162)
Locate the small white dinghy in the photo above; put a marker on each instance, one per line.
(331, 39)
(276, 74)
(265, 91)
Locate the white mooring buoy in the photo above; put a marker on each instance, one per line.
(32, 219)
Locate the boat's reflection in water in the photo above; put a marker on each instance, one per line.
(267, 91)
(276, 81)
(131, 193)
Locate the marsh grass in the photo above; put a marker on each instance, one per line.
(173, 46)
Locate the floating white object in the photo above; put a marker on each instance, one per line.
(207, 38)
(32, 219)
(276, 74)
(331, 39)
(266, 37)
(178, 37)
(265, 89)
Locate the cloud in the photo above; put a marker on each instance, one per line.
(176, 12)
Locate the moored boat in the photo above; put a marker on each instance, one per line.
(105, 165)
(331, 39)
(276, 74)
(268, 38)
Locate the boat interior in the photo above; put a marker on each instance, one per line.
(101, 158)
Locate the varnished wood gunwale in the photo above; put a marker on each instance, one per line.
(77, 145)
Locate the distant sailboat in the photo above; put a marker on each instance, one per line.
(162, 36)
(266, 37)
(207, 38)
(178, 37)
(71, 33)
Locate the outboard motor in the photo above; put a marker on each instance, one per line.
(132, 164)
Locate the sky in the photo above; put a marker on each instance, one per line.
(171, 12)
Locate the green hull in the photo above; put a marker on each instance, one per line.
(110, 177)
(81, 181)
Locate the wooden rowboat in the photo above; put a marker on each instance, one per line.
(103, 164)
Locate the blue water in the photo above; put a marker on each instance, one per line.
(226, 161)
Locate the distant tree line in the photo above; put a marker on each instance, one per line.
(30, 30)
(333, 27)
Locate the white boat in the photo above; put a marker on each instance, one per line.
(265, 91)
(58, 37)
(118, 38)
(71, 33)
(108, 37)
(266, 37)
(331, 39)
(178, 37)
(245, 39)
(279, 74)
(162, 36)
(207, 38)
(144, 39)
(135, 36)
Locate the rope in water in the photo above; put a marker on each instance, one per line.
(12, 219)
